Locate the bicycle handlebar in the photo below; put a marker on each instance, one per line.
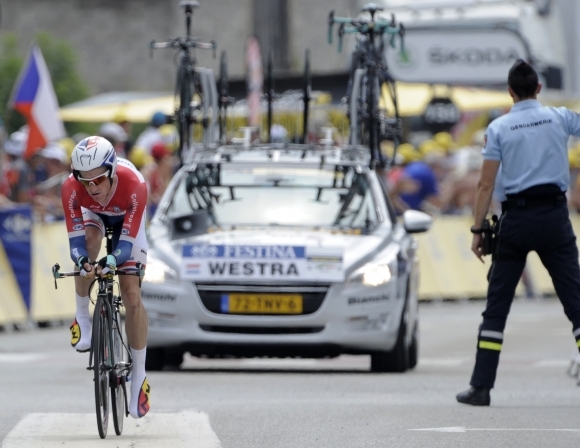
(349, 25)
(58, 275)
(184, 44)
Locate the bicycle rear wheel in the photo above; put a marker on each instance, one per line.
(101, 363)
(118, 376)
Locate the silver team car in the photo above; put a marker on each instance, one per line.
(288, 251)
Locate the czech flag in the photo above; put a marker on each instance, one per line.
(33, 96)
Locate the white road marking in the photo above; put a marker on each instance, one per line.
(464, 429)
(449, 429)
(552, 363)
(184, 429)
(443, 362)
(22, 357)
(456, 362)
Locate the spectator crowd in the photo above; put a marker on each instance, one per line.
(437, 176)
(38, 179)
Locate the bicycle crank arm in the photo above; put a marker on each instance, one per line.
(124, 386)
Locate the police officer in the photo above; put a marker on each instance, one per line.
(530, 143)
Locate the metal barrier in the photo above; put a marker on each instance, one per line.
(448, 270)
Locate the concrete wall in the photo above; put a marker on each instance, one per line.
(570, 17)
(111, 37)
(309, 29)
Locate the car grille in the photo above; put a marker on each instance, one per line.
(313, 294)
(260, 330)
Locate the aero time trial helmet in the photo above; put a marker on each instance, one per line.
(93, 152)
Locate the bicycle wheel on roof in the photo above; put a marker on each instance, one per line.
(184, 113)
(224, 96)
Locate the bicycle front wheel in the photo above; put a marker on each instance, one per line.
(101, 364)
(119, 374)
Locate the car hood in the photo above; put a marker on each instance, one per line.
(354, 249)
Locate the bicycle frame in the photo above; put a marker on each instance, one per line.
(105, 295)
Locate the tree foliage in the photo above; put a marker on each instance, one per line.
(10, 65)
(61, 61)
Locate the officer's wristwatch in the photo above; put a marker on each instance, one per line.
(476, 231)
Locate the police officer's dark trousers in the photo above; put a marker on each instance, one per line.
(527, 225)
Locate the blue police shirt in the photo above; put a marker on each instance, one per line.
(531, 141)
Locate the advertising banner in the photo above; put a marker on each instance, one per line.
(15, 235)
(456, 56)
(245, 262)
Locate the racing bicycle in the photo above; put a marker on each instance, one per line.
(370, 121)
(109, 357)
(189, 86)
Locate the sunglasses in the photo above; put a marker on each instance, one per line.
(98, 180)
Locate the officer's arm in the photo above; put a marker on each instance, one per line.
(485, 190)
(573, 121)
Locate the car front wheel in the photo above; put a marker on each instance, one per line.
(399, 359)
(414, 347)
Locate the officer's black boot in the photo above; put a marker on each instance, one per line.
(475, 396)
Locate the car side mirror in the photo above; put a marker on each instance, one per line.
(416, 222)
(189, 224)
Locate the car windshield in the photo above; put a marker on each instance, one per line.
(263, 195)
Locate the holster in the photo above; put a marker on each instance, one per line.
(489, 235)
(490, 241)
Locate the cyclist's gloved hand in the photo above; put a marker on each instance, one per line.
(108, 264)
(84, 265)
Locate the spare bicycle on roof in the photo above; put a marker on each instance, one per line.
(197, 99)
(370, 82)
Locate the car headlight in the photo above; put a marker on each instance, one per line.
(372, 274)
(158, 272)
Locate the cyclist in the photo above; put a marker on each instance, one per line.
(104, 190)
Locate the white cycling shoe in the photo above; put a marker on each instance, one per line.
(80, 332)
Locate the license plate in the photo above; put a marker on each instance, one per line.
(261, 303)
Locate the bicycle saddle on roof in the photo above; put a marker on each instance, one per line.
(372, 8)
(189, 3)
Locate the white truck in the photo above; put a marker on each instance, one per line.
(474, 42)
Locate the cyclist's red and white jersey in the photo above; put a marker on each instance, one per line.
(125, 209)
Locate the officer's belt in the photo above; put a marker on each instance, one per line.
(527, 202)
